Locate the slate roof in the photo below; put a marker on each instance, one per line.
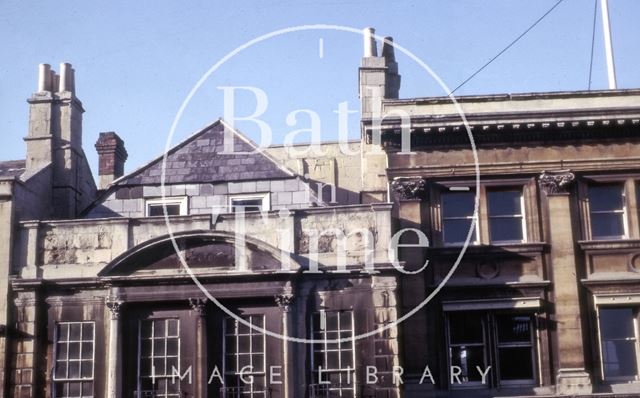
(200, 159)
(12, 168)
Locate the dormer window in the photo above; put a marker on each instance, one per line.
(174, 206)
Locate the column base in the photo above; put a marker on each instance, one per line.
(571, 381)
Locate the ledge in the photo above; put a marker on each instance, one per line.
(615, 244)
(506, 249)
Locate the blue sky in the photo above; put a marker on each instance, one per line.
(136, 61)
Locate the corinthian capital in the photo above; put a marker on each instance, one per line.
(406, 188)
(556, 182)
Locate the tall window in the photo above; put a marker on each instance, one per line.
(514, 340)
(467, 345)
(159, 358)
(619, 343)
(506, 220)
(505, 342)
(333, 361)
(74, 354)
(457, 214)
(244, 352)
(606, 208)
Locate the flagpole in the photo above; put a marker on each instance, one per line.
(608, 47)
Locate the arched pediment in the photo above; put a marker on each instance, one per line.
(203, 252)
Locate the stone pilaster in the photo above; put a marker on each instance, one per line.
(115, 348)
(571, 377)
(199, 306)
(285, 302)
(386, 339)
(24, 367)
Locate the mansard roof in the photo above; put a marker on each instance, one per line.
(200, 158)
(12, 168)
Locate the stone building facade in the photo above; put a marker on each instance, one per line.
(191, 276)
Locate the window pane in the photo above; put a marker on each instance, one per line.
(456, 231)
(618, 342)
(514, 328)
(458, 204)
(158, 210)
(516, 363)
(619, 358)
(605, 225)
(247, 204)
(503, 203)
(616, 323)
(606, 197)
(467, 358)
(506, 229)
(465, 328)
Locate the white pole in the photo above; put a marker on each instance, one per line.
(608, 48)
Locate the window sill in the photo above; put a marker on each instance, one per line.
(615, 244)
(505, 248)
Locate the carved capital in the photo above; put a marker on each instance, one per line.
(409, 188)
(556, 182)
(114, 306)
(284, 301)
(198, 305)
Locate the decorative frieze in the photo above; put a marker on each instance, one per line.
(409, 188)
(556, 182)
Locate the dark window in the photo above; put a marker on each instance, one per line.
(606, 206)
(159, 358)
(158, 210)
(503, 341)
(333, 353)
(457, 214)
(244, 351)
(617, 329)
(74, 353)
(467, 344)
(515, 347)
(252, 204)
(506, 219)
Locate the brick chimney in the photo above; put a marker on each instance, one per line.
(111, 157)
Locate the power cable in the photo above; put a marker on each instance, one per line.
(507, 47)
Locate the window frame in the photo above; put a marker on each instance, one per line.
(264, 197)
(56, 338)
(315, 377)
(624, 211)
(179, 200)
(169, 377)
(491, 348)
(522, 216)
(443, 219)
(636, 329)
(254, 388)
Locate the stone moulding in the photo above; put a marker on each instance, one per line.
(556, 182)
(408, 188)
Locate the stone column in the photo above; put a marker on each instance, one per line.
(199, 306)
(115, 343)
(571, 377)
(284, 301)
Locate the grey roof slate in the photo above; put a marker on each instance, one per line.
(12, 168)
(200, 158)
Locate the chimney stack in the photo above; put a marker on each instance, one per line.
(111, 157)
(379, 78)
